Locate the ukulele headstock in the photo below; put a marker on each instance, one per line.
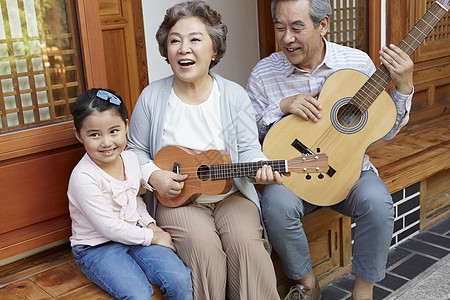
(316, 163)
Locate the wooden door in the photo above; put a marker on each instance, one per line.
(124, 48)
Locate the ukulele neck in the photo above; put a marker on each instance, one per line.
(248, 169)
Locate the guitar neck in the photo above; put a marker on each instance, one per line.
(380, 79)
(247, 169)
(422, 29)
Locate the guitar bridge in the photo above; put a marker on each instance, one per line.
(301, 147)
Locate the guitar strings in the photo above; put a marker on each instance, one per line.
(349, 112)
(408, 44)
(329, 137)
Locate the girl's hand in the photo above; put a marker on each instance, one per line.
(166, 183)
(265, 175)
(164, 239)
(153, 227)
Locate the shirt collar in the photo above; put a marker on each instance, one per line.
(328, 61)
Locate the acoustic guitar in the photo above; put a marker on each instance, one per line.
(356, 112)
(211, 172)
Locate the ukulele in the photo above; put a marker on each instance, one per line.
(211, 172)
(356, 112)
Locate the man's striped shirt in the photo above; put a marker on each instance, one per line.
(275, 78)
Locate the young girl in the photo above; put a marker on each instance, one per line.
(114, 240)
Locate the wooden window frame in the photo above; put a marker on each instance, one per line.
(44, 138)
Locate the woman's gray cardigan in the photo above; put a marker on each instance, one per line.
(238, 121)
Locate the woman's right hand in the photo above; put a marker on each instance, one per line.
(167, 184)
(163, 238)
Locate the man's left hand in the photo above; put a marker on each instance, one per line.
(400, 67)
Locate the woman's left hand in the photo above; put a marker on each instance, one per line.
(265, 175)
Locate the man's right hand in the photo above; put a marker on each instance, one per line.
(304, 106)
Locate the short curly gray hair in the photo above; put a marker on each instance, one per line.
(318, 10)
(211, 18)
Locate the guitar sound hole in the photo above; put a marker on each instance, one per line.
(349, 115)
(203, 173)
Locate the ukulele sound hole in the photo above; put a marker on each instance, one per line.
(203, 173)
(349, 115)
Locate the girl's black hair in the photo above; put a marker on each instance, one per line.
(88, 102)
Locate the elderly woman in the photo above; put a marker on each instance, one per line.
(219, 237)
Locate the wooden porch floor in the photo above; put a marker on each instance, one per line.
(52, 274)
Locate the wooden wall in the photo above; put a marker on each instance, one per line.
(35, 164)
(432, 93)
(431, 59)
(34, 215)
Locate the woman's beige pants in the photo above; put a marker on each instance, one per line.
(222, 244)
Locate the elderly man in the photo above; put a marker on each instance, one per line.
(288, 82)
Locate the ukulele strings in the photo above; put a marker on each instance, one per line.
(192, 172)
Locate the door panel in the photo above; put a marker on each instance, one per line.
(124, 48)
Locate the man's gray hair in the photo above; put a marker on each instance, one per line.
(318, 11)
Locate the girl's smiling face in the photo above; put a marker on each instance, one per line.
(190, 50)
(104, 136)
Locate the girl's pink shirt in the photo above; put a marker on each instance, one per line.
(103, 208)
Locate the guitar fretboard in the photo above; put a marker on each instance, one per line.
(380, 79)
(249, 169)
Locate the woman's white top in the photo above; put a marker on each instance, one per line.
(198, 127)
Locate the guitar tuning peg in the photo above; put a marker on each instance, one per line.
(308, 177)
(320, 176)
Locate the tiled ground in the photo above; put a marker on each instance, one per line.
(406, 262)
